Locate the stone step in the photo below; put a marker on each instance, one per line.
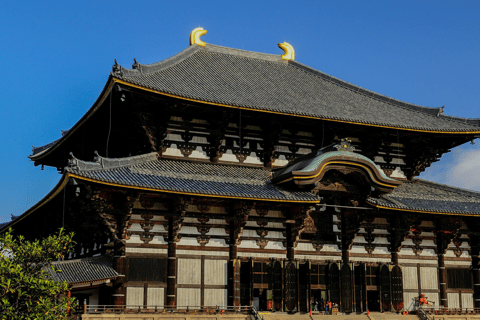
(391, 316)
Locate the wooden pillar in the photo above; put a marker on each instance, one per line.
(475, 249)
(171, 266)
(395, 258)
(120, 265)
(442, 279)
(290, 248)
(233, 270)
(345, 239)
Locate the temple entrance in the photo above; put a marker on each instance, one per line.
(260, 299)
(319, 296)
(261, 274)
(246, 283)
(373, 300)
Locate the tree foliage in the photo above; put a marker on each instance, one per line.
(27, 289)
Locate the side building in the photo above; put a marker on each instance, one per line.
(223, 177)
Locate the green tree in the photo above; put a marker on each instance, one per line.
(27, 289)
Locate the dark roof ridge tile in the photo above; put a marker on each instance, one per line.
(244, 53)
(82, 259)
(103, 163)
(142, 69)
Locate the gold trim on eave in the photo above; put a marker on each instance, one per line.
(341, 162)
(195, 36)
(422, 211)
(289, 51)
(286, 113)
(186, 193)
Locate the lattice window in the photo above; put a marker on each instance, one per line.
(372, 276)
(147, 270)
(318, 274)
(459, 278)
(260, 272)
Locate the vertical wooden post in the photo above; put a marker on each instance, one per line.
(395, 258)
(171, 266)
(119, 264)
(233, 269)
(475, 247)
(442, 279)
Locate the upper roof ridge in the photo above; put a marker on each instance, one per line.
(142, 69)
(139, 69)
(108, 163)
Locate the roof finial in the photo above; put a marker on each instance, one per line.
(195, 36)
(288, 49)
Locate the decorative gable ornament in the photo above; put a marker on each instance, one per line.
(344, 145)
(289, 51)
(195, 36)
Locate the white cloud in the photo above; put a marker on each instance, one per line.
(460, 168)
(465, 172)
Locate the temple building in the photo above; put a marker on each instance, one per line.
(224, 177)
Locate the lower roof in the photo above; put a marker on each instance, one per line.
(84, 270)
(184, 177)
(430, 197)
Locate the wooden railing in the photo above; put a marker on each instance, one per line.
(116, 309)
(431, 311)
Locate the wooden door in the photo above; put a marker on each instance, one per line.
(360, 288)
(277, 285)
(246, 283)
(303, 294)
(334, 283)
(385, 287)
(397, 288)
(290, 286)
(347, 285)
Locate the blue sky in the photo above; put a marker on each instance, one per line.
(55, 58)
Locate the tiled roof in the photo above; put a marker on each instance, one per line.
(146, 171)
(421, 195)
(84, 270)
(259, 81)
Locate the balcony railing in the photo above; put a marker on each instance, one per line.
(118, 309)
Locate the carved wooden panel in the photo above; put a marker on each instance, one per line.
(347, 288)
(334, 283)
(397, 289)
(277, 285)
(385, 298)
(291, 286)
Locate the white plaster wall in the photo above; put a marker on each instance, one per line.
(305, 246)
(134, 296)
(410, 278)
(189, 271)
(467, 300)
(146, 250)
(187, 297)
(275, 245)
(203, 253)
(429, 278)
(216, 272)
(408, 300)
(188, 241)
(453, 300)
(275, 234)
(216, 243)
(216, 297)
(155, 297)
(261, 255)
